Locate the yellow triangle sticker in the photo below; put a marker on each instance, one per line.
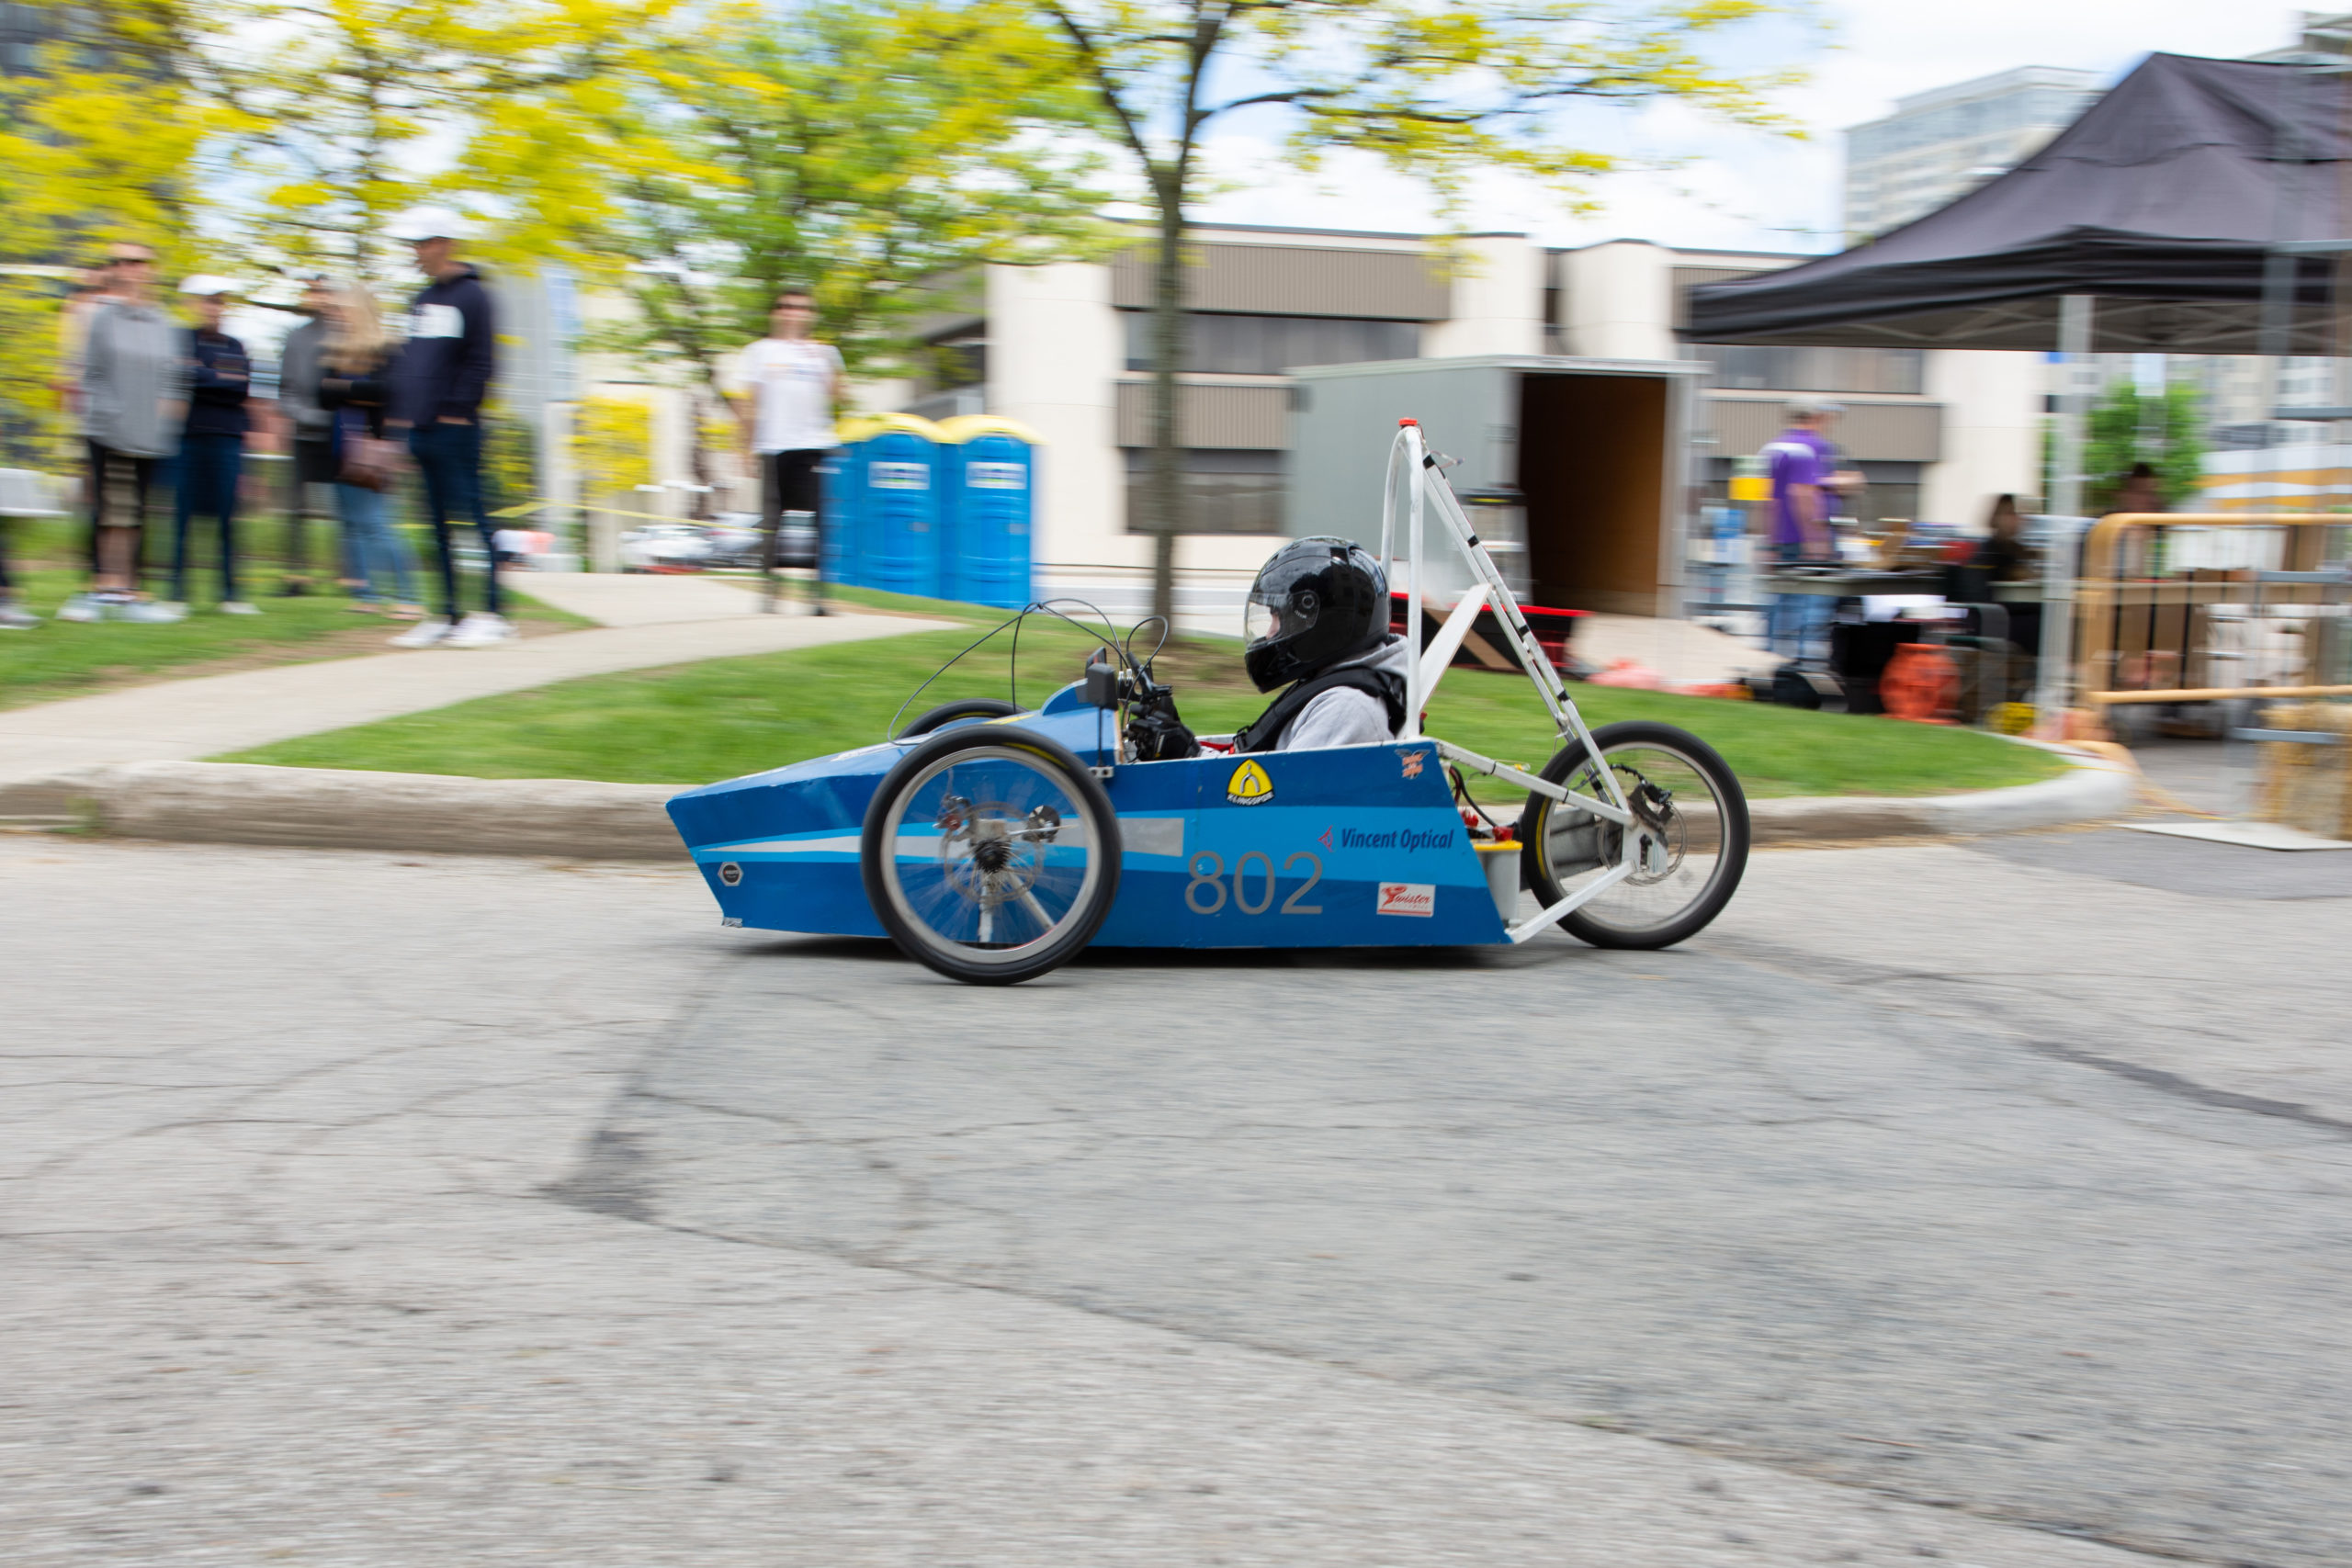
(1250, 786)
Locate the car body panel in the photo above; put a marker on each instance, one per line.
(1353, 845)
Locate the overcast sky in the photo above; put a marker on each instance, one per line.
(1744, 188)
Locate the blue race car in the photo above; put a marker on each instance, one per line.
(993, 844)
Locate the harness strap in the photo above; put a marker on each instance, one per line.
(1268, 726)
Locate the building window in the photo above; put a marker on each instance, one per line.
(1753, 368)
(1267, 345)
(1230, 492)
(2305, 381)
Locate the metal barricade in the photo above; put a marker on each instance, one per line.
(2210, 607)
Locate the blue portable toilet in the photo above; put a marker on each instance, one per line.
(989, 463)
(841, 474)
(900, 538)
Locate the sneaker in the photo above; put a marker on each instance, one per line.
(14, 617)
(479, 630)
(151, 611)
(82, 607)
(424, 634)
(237, 607)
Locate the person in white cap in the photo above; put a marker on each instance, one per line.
(438, 384)
(212, 443)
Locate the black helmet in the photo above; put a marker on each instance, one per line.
(1316, 601)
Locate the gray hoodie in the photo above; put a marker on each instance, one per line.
(1343, 715)
(297, 381)
(134, 361)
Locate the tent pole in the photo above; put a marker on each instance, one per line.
(2073, 403)
(2052, 687)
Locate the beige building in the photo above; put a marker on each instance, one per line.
(1065, 349)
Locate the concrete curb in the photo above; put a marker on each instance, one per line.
(234, 803)
(2087, 792)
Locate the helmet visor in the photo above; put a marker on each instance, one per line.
(1270, 615)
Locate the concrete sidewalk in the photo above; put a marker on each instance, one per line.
(651, 621)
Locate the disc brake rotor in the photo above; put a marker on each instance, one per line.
(989, 854)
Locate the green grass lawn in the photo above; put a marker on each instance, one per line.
(696, 723)
(63, 659)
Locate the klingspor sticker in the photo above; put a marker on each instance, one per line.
(1250, 786)
(730, 872)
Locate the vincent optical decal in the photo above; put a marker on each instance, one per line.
(1250, 786)
(1411, 840)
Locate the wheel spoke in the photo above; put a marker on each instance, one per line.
(1676, 844)
(984, 831)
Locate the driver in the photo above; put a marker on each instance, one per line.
(1317, 623)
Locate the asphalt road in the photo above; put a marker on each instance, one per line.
(363, 1211)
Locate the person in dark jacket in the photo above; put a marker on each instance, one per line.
(354, 388)
(438, 384)
(212, 446)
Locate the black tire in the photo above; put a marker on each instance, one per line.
(962, 707)
(1559, 847)
(924, 906)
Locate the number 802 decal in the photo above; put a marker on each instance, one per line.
(1206, 893)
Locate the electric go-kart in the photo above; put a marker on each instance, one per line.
(993, 844)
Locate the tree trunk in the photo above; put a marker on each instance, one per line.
(1165, 499)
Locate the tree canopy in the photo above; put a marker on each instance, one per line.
(2127, 426)
(1439, 90)
(876, 153)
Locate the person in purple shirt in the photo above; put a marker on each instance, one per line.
(1803, 465)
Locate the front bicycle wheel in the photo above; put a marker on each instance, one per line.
(1690, 837)
(991, 853)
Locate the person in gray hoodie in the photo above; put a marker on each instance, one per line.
(134, 389)
(1316, 621)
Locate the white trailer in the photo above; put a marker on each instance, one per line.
(1598, 451)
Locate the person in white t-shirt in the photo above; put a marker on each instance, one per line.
(784, 387)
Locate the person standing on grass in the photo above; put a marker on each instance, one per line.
(297, 394)
(213, 444)
(133, 380)
(437, 386)
(784, 387)
(354, 388)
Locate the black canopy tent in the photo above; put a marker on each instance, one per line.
(2165, 203)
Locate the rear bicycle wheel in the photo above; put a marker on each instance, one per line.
(990, 854)
(1689, 843)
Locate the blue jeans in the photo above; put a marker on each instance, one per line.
(209, 466)
(1795, 620)
(448, 457)
(378, 551)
